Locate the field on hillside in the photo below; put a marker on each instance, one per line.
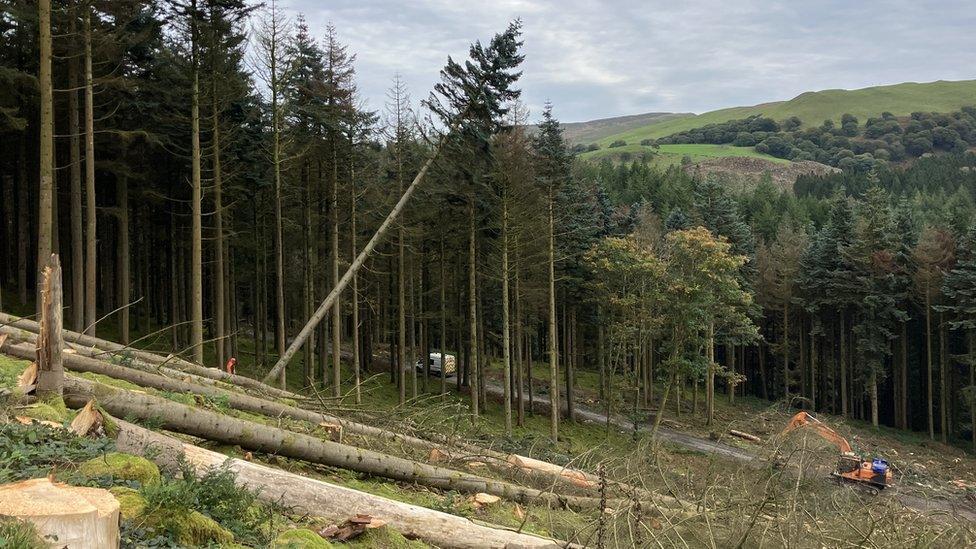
(672, 155)
(815, 107)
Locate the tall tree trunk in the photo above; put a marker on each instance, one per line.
(943, 380)
(928, 361)
(873, 388)
(309, 253)
(519, 347)
(903, 381)
(45, 196)
(443, 306)
(124, 280)
(337, 306)
(23, 223)
(91, 315)
(219, 308)
(77, 221)
(710, 379)
(353, 197)
(473, 308)
(196, 198)
(844, 404)
(972, 383)
(553, 334)
(601, 353)
(571, 365)
(813, 370)
(506, 334)
(401, 298)
(412, 330)
(786, 350)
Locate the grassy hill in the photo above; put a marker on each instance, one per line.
(815, 107)
(672, 155)
(595, 130)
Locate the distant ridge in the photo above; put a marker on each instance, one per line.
(812, 108)
(595, 130)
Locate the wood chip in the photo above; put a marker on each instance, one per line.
(477, 465)
(89, 421)
(333, 429)
(486, 499)
(29, 420)
(27, 381)
(519, 512)
(437, 456)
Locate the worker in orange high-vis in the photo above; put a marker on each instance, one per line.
(231, 364)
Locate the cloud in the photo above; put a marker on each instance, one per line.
(596, 59)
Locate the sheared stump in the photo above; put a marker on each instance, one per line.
(80, 517)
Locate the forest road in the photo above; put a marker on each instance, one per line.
(711, 447)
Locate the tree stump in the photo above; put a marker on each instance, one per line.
(80, 517)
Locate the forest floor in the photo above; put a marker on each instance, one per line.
(776, 492)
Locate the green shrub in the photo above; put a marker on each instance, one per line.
(31, 451)
(618, 143)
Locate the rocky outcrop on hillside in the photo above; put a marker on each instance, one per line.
(751, 170)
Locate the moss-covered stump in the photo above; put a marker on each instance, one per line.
(190, 528)
(131, 503)
(301, 538)
(121, 467)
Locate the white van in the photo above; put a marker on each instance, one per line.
(435, 365)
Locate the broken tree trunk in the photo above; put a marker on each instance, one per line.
(115, 349)
(50, 371)
(322, 499)
(78, 516)
(264, 438)
(327, 304)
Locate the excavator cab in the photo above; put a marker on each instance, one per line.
(850, 467)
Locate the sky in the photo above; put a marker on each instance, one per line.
(596, 59)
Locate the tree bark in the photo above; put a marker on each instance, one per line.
(473, 308)
(844, 405)
(355, 288)
(553, 333)
(943, 380)
(928, 361)
(91, 315)
(196, 197)
(219, 308)
(50, 367)
(786, 350)
(45, 196)
(77, 220)
(506, 327)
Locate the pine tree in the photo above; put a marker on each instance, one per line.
(959, 287)
(553, 172)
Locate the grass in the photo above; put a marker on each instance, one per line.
(815, 107)
(672, 155)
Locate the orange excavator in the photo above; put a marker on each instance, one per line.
(851, 467)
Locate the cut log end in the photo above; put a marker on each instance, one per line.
(79, 516)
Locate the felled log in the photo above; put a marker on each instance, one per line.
(216, 427)
(744, 435)
(111, 348)
(329, 501)
(79, 516)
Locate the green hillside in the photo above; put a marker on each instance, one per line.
(671, 155)
(815, 107)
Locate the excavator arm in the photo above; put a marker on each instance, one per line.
(804, 419)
